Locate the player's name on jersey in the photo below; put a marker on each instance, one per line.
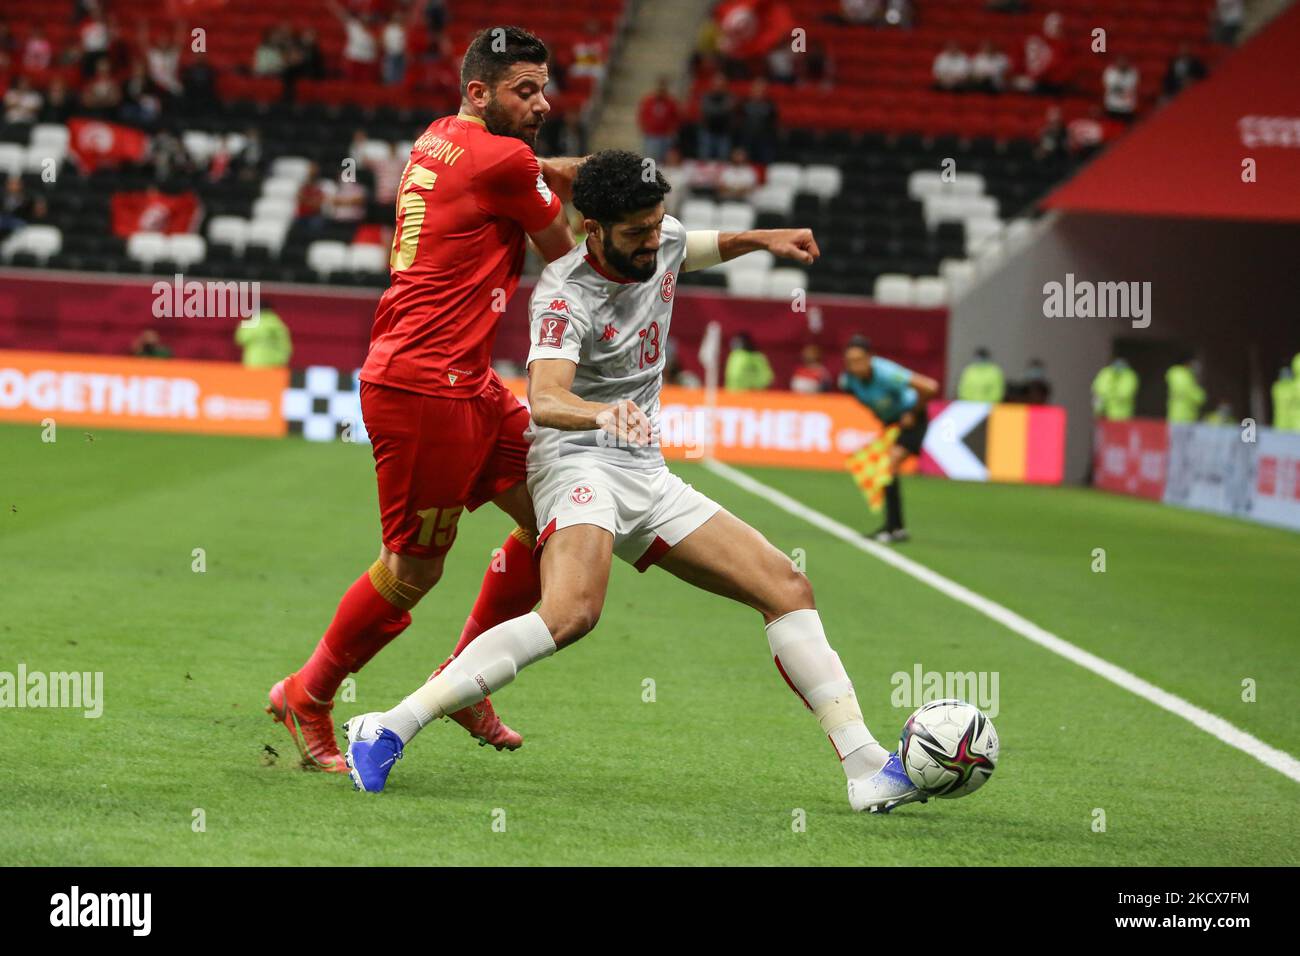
(435, 147)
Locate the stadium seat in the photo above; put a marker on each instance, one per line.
(185, 249)
(291, 167)
(274, 209)
(893, 288)
(51, 135)
(929, 292)
(38, 242)
(823, 180)
(785, 174)
(367, 258)
(266, 235)
(12, 159)
(279, 187)
(959, 273)
(750, 282)
(979, 229)
(773, 198)
(735, 217)
(325, 256)
(782, 283)
(229, 230)
(699, 214)
(146, 247)
(200, 144)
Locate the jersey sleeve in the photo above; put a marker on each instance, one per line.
(558, 326)
(512, 187)
(674, 241)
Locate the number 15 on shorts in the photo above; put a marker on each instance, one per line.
(438, 526)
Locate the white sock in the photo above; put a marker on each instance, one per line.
(489, 663)
(813, 669)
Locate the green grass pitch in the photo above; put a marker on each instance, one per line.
(97, 535)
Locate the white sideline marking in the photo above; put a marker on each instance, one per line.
(1233, 736)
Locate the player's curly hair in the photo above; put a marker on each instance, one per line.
(495, 50)
(614, 182)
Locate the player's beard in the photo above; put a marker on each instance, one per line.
(626, 265)
(499, 123)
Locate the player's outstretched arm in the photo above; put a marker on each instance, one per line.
(796, 244)
(552, 404)
(555, 240)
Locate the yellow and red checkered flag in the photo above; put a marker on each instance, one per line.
(869, 467)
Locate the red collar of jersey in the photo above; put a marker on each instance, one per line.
(471, 119)
(592, 261)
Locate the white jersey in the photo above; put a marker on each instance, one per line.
(617, 333)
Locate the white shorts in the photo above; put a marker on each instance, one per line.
(647, 511)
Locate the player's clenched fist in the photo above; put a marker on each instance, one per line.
(625, 421)
(796, 244)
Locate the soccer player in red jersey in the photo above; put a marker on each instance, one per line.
(447, 434)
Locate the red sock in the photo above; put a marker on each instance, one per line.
(364, 622)
(511, 587)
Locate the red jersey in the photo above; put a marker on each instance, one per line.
(464, 205)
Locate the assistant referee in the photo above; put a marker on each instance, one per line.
(897, 396)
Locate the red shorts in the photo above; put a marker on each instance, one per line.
(435, 457)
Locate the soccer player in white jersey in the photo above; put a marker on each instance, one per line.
(600, 488)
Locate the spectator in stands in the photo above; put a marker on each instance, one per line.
(1184, 70)
(590, 53)
(815, 66)
(395, 46)
(360, 48)
(38, 54)
(738, 178)
(747, 368)
(812, 376)
(268, 58)
(899, 13)
(781, 66)
(1114, 391)
(1220, 414)
(102, 93)
(58, 102)
(659, 118)
(1046, 66)
(94, 40)
(988, 68)
(1286, 399)
(717, 109)
(1226, 21)
(164, 60)
(248, 160)
(169, 156)
(982, 379)
(1120, 83)
(1052, 138)
(140, 106)
(311, 200)
(7, 42)
(149, 344)
(266, 343)
(435, 16)
(859, 13)
(951, 69)
(758, 122)
(436, 77)
(309, 59)
(17, 208)
(22, 103)
(1085, 135)
(345, 200)
(1185, 395)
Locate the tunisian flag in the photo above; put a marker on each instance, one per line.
(154, 211)
(94, 143)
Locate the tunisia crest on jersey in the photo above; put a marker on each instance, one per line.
(667, 286)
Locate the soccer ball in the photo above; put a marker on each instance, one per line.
(948, 748)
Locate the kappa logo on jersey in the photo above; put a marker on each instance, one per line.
(666, 287)
(582, 494)
(551, 332)
(609, 333)
(558, 305)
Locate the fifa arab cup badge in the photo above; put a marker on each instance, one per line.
(582, 494)
(666, 287)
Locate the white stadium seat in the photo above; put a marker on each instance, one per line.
(374, 151)
(773, 197)
(41, 241)
(268, 233)
(749, 282)
(959, 273)
(12, 158)
(735, 216)
(784, 174)
(823, 180)
(979, 229)
(36, 157)
(291, 167)
(199, 144)
(281, 187)
(185, 249)
(966, 184)
(326, 256)
(367, 257)
(53, 135)
(275, 208)
(147, 247)
(781, 283)
(923, 183)
(699, 214)
(759, 261)
(229, 230)
(929, 292)
(893, 288)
